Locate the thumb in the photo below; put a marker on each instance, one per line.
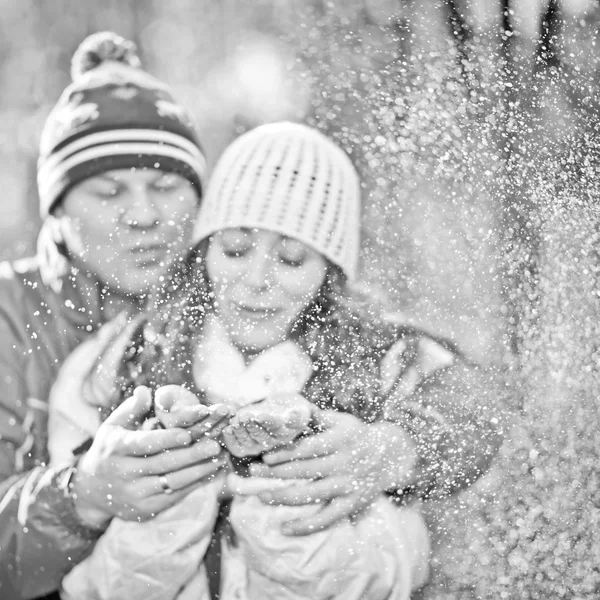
(131, 413)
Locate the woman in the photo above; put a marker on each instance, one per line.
(266, 322)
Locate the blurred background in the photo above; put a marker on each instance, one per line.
(473, 124)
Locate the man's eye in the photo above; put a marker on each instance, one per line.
(166, 184)
(109, 191)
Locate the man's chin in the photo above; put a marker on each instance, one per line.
(140, 280)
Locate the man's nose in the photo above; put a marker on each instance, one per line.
(142, 211)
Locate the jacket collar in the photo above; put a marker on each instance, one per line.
(86, 302)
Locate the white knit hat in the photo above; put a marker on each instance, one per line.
(291, 179)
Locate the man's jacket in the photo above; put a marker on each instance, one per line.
(39, 326)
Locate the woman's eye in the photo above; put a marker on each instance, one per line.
(289, 261)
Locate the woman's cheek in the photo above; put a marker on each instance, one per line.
(303, 285)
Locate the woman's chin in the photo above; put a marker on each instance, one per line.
(252, 346)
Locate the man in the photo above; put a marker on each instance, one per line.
(120, 176)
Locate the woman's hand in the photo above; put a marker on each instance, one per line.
(263, 426)
(176, 406)
(347, 465)
(135, 474)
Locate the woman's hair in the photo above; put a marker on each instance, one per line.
(341, 330)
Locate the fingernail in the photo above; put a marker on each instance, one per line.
(270, 458)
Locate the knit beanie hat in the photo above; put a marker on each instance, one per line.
(291, 179)
(114, 115)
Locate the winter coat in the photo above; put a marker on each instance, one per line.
(40, 325)
(162, 558)
(456, 434)
(382, 554)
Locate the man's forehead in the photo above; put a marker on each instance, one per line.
(133, 172)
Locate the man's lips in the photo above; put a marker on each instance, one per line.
(147, 248)
(149, 254)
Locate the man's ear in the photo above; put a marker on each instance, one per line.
(65, 231)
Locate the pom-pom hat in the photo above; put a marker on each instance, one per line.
(114, 115)
(291, 179)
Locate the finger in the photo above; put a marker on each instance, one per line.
(244, 445)
(167, 500)
(132, 412)
(184, 416)
(148, 443)
(221, 410)
(318, 445)
(179, 480)
(230, 441)
(171, 460)
(259, 435)
(243, 437)
(155, 503)
(272, 424)
(171, 396)
(200, 431)
(324, 466)
(217, 414)
(332, 513)
(321, 444)
(309, 492)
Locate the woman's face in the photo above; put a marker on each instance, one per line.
(262, 282)
(129, 226)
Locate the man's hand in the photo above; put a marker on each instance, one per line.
(347, 465)
(123, 473)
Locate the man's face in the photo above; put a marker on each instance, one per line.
(129, 226)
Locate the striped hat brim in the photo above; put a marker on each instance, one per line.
(121, 148)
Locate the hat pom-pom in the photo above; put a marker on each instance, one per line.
(101, 47)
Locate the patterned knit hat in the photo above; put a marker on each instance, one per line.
(114, 115)
(291, 179)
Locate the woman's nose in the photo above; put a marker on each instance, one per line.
(259, 275)
(142, 211)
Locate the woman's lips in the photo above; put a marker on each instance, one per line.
(257, 313)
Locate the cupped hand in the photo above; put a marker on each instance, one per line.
(346, 466)
(176, 406)
(260, 427)
(123, 472)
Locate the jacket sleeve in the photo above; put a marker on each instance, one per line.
(40, 538)
(455, 412)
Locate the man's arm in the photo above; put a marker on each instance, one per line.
(456, 417)
(443, 425)
(40, 537)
